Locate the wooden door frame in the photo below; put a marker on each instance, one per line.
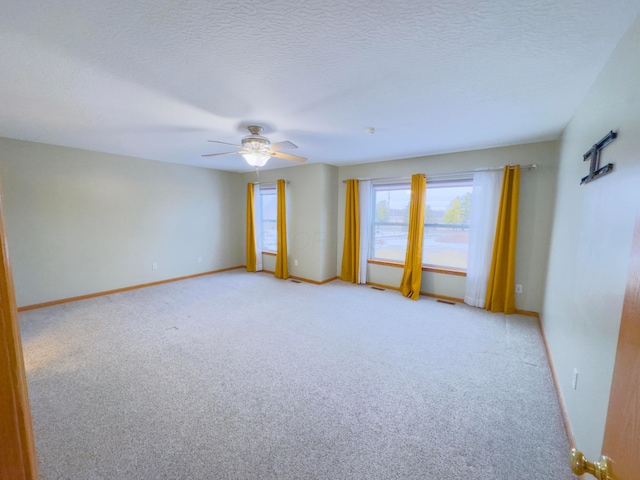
(18, 453)
(622, 429)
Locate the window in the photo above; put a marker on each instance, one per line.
(269, 216)
(390, 221)
(446, 233)
(446, 224)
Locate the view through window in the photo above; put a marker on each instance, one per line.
(269, 216)
(391, 221)
(446, 219)
(446, 233)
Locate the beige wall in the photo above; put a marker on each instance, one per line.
(536, 201)
(81, 222)
(591, 242)
(311, 224)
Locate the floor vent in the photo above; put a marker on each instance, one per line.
(378, 288)
(445, 301)
(296, 281)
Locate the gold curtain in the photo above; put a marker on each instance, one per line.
(282, 263)
(351, 248)
(251, 231)
(412, 276)
(501, 284)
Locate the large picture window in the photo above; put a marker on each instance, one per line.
(269, 216)
(446, 232)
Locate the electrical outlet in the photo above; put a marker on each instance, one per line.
(295, 262)
(518, 288)
(154, 266)
(574, 379)
(199, 259)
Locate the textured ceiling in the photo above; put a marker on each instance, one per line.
(157, 78)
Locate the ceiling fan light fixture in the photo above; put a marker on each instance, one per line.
(257, 150)
(256, 159)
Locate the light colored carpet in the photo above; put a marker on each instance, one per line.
(242, 376)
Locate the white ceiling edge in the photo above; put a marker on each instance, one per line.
(156, 80)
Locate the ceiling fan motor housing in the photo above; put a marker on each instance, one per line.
(255, 141)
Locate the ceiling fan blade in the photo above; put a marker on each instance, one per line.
(225, 143)
(282, 145)
(219, 154)
(288, 156)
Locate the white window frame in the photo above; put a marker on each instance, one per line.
(264, 191)
(383, 186)
(462, 181)
(466, 181)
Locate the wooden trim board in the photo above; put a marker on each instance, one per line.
(444, 271)
(556, 384)
(442, 297)
(380, 285)
(385, 263)
(315, 282)
(17, 446)
(424, 294)
(119, 290)
(302, 279)
(425, 268)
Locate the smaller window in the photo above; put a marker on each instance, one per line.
(391, 221)
(269, 216)
(446, 224)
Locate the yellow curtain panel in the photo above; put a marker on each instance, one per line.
(412, 276)
(351, 249)
(251, 231)
(282, 254)
(502, 275)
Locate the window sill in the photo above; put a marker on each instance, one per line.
(386, 263)
(272, 254)
(444, 270)
(425, 268)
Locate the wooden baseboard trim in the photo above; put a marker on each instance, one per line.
(556, 384)
(119, 290)
(424, 294)
(380, 285)
(528, 313)
(315, 282)
(302, 279)
(442, 297)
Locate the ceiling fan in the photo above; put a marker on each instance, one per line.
(257, 150)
